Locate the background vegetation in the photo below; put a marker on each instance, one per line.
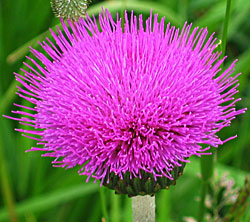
(34, 191)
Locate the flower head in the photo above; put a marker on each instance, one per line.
(127, 102)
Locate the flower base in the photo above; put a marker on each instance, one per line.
(146, 185)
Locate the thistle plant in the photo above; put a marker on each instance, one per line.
(128, 106)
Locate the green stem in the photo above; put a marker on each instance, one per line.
(103, 204)
(164, 206)
(115, 208)
(204, 188)
(207, 166)
(5, 185)
(225, 28)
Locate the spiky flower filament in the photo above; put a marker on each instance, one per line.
(128, 101)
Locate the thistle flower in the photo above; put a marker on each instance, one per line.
(128, 105)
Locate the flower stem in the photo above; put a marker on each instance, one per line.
(204, 187)
(225, 28)
(103, 204)
(115, 208)
(207, 166)
(143, 208)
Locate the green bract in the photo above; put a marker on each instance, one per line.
(146, 185)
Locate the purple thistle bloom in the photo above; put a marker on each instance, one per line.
(124, 101)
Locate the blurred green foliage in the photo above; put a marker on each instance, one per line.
(37, 192)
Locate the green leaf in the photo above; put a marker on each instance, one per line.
(139, 7)
(50, 200)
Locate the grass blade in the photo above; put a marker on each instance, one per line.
(50, 200)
